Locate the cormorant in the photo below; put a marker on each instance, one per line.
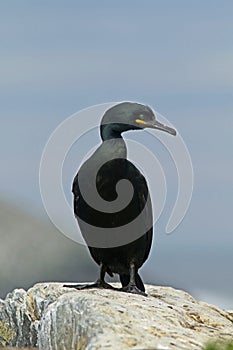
(99, 176)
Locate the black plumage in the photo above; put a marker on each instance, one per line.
(118, 236)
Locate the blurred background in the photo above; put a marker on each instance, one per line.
(58, 57)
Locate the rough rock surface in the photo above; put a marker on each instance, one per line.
(52, 317)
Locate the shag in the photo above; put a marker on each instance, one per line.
(117, 241)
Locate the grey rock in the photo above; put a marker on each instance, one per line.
(52, 317)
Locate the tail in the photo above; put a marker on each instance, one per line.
(138, 281)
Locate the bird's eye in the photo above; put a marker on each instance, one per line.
(141, 116)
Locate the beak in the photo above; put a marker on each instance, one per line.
(157, 125)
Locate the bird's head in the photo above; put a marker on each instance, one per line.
(129, 116)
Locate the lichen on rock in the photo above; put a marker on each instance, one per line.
(6, 333)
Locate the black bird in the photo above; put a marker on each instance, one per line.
(106, 208)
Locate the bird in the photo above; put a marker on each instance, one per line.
(112, 203)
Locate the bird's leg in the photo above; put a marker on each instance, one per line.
(131, 287)
(100, 283)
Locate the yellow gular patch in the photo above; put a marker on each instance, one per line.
(139, 121)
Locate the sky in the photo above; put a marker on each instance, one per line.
(59, 57)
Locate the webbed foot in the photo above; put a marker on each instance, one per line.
(98, 284)
(132, 288)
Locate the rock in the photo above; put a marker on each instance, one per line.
(50, 317)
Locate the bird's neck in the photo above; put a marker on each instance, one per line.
(113, 142)
(110, 131)
(114, 148)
